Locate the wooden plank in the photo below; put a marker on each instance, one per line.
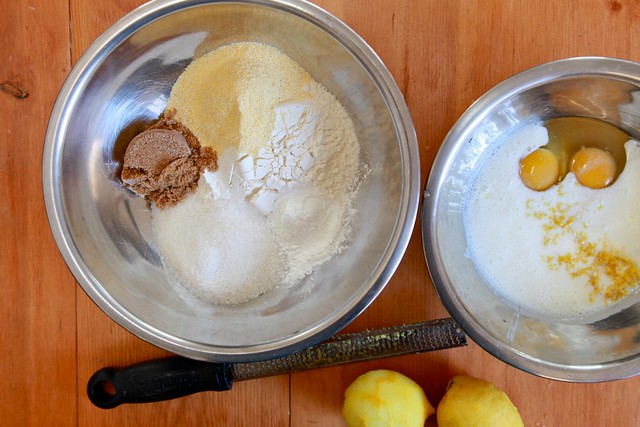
(37, 306)
(103, 343)
(443, 57)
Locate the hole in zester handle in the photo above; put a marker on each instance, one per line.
(102, 391)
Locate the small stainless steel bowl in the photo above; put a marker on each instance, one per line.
(123, 80)
(600, 347)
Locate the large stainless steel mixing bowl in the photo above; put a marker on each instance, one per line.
(604, 346)
(103, 232)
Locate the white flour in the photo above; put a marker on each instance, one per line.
(273, 211)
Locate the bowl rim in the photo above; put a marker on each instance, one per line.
(460, 133)
(407, 215)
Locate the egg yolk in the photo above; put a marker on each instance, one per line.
(540, 169)
(593, 167)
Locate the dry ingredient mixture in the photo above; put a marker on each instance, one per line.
(280, 202)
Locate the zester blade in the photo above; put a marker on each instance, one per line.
(372, 344)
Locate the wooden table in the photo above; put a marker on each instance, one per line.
(443, 55)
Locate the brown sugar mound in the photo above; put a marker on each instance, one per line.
(165, 162)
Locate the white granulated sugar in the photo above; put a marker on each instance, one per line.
(280, 203)
(212, 249)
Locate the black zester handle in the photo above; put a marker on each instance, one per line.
(156, 380)
(372, 344)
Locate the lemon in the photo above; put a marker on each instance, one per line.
(473, 402)
(383, 398)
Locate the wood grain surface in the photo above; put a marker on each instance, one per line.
(443, 55)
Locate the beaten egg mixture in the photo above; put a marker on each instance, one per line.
(568, 250)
